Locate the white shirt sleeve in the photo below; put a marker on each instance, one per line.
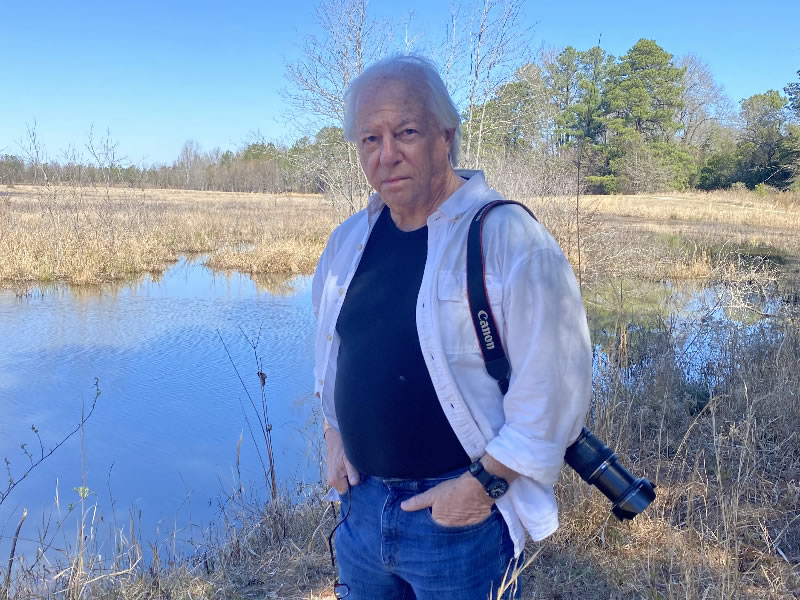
(547, 343)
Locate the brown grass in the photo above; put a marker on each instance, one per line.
(83, 235)
(741, 208)
(76, 234)
(730, 219)
(674, 236)
(720, 440)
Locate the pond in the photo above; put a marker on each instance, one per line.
(162, 445)
(162, 442)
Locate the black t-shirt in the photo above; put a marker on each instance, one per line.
(391, 422)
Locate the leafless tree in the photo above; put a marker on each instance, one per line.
(410, 39)
(704, 102)
(190, 163)
(495, 46)
(317, 81)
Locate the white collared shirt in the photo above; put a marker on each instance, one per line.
(538, 308)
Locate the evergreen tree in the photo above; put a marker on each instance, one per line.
(593, 79)
(645, 93)
(793, 92)
(562, 79)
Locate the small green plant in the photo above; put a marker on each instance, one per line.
(82, 491)
(605, 184)
(763, 190)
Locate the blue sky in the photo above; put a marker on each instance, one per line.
(158, 73)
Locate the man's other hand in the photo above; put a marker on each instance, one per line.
(340, 471)
(454, 503)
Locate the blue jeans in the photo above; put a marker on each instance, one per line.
(386, 553)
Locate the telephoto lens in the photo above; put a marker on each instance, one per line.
(597, 465)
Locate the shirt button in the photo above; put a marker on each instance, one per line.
(360, 246)
(330, 337)
(341, 291)
(320, 381)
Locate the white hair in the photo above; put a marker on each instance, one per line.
(410, 69)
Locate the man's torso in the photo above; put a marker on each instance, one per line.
(390, 419)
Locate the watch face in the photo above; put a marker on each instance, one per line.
(497, 488)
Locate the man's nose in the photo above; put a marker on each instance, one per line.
(390, 151)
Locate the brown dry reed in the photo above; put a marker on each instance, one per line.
(84, 235)
(80, 235)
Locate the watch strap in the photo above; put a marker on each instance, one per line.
(486, 479)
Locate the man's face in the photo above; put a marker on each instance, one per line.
(403, 151)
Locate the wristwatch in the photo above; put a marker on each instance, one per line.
(495, 486)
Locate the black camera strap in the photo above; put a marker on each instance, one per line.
(494, 355)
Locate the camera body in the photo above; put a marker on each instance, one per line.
(597, 465)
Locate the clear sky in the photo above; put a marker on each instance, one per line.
(157, 73)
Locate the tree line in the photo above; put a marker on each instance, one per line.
(642, 122)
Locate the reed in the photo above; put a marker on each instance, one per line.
(86, 236)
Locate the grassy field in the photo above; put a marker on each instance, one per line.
(715, 223)
(716, 430)
(88, 236)
(85, 236)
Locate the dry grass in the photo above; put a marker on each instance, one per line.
(76, 234)
(676, 236)
(719, 437)
(735, 219)
(734, 208)
(83, 235)
(255, 551)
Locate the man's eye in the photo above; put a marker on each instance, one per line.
(370, 139)
(409, 131)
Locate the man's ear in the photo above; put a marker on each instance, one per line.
(449, 135)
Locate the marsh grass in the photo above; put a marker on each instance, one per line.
(84, 235)
(719, 208)
(698, 231)
(79, 235)
(252, 550)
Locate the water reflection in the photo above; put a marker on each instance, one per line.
(164, 434)
(697, 328)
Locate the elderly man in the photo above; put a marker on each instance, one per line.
(417, 433)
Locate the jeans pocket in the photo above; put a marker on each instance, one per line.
(494, 514)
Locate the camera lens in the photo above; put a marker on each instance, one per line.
(597, 464)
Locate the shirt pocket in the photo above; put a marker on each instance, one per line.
(458, 331)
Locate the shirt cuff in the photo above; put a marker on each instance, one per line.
(538, 459)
